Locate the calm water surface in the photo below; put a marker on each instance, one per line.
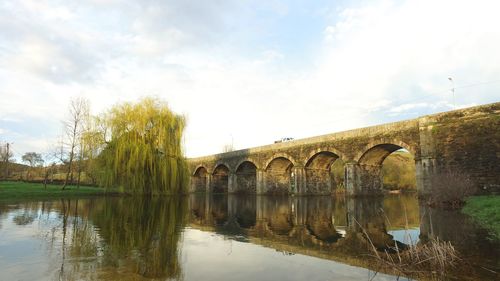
(225, 238)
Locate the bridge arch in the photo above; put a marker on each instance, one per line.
(200, 178)
(375, 152)
(279, 175)
(251, 160)
(315, 152)
(221, 163)
(198, 168)
(375, 174)
(220, 178)
(322, 159)
(280, 155)
(246, 177)
(319, 177)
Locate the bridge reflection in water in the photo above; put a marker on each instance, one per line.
(185, 238)
(310, 225)
(336, 228)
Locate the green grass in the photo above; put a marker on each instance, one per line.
(22, 190)
(486, 211)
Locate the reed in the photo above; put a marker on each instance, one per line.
(433, 258)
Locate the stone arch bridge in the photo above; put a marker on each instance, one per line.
(465, 141)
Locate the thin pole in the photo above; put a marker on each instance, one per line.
(7, 162)
(453, 91)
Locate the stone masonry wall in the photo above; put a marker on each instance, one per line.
(466, 140)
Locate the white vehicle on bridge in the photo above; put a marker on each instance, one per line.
(283, 140)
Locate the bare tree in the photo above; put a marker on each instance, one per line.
(49, 167)
(33, 159)
(58, 152)
(73, 129)
(6, 156)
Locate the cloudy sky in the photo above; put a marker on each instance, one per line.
(244, 72)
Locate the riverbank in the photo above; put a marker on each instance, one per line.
(486, 211)
(24, 190)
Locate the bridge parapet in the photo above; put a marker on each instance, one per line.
(466, 140)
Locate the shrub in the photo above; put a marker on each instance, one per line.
(450, 188)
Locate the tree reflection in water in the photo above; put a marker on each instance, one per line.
(120, 238)
(140, 238)
(143, 235)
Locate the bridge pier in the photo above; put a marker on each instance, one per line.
(319, 181)
(232, 183)
(425, 169)
(460, 141)
(299, 185)
(260, 182)
(208, 183)
(363, 179)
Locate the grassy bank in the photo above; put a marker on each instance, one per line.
(23, 190)
(486, 211)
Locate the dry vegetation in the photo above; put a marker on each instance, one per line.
(432, 259)
(450, 189)
(435, 258)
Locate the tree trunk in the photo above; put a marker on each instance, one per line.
(78, 179)
(45, 178)
(68, 172)
(70, 163)
(65, 223)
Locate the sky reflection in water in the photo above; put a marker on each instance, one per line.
(206, 237)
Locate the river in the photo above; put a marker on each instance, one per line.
(221, 237)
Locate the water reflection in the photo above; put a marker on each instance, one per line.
(474, 242)
(310, 222)
(173, 238)
(115, 238)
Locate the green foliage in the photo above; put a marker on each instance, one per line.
(144, 154)
(337, 170)
(93, 141)
(398, 171)
(486, 211)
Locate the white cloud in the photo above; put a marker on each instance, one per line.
(372, 63)
(400, 51)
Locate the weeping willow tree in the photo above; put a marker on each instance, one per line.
(144, 153)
